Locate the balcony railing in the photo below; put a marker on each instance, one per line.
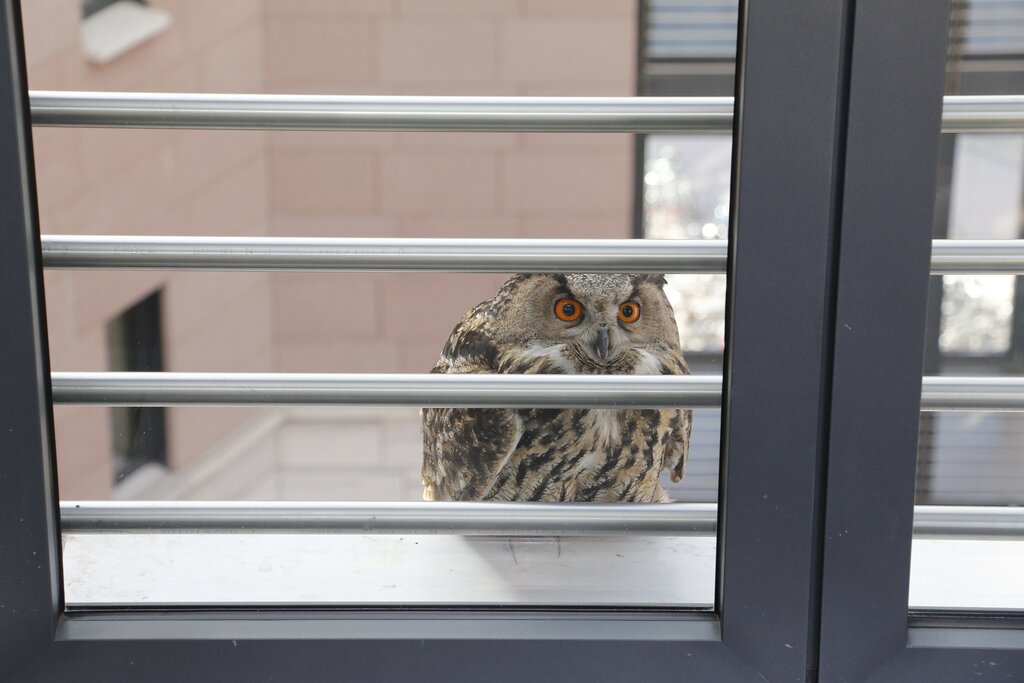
(529, 114)
(1003, 114)
(454, 255)
(483, 391)
(472, 519)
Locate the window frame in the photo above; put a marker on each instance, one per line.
(788, 272)
(867, 631)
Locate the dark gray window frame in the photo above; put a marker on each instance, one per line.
(816, 335)
(890, 170)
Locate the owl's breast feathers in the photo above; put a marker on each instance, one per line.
(550, 454)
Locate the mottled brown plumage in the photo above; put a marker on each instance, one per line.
(551, 454)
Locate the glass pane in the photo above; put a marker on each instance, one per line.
(361, 184)
(969, 540)
(685, 194)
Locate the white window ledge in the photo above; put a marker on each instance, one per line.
(956, 573)
(103, 569)
(307, 569)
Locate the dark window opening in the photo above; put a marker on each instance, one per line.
(91, 7)
(135, 344)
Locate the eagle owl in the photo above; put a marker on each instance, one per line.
(583, 324)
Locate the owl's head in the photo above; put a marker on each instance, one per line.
(597, 318)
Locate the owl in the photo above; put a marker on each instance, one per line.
(581, 324)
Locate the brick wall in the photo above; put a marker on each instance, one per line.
(314, 184)
(435, 184)
(151, 182)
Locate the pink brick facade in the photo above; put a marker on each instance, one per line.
(316, 184)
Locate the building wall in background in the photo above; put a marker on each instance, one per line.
(152, 182)
(313, 184)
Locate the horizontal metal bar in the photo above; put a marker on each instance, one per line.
(973, 393)
(983, 114)
(415, 390)
(480, 391)
(384, 254)
(505, 519)
(961, 114)
(977, 256)
(414, 113)
(967, 520)
(453, 255)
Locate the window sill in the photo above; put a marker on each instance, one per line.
(195, 567)
(171, 569)
(967, 574)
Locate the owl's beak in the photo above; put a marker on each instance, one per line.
(601, 343)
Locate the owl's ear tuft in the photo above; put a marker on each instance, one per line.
(654, 278)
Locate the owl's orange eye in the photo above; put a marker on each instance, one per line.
(568, 310)
(629, 312)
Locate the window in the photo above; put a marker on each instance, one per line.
(684, 178)
(821, 397)
(112, 27)
(135, 345)
(974, 322)
(688, 50)
(296, 186)
(972, 316)
(91, 7)
(970, 462)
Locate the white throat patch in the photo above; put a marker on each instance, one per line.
(554, 353)
(648, 364)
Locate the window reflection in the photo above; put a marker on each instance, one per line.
(985, 200)
(975, 458)
(977, 311)
(689, 51)
(686, 196)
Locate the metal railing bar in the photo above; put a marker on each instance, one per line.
(453, 255)
(411, 113)
(505, 519)
(383, 254)
(997, 394)
(968, 520)
(410, 390)
(961, 114)
(983, 114)
(977, 256)
(479, 391)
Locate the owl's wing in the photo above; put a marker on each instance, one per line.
(464, 449)
(679, 448)
(681, 423)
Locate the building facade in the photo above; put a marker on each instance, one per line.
(163, 182)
